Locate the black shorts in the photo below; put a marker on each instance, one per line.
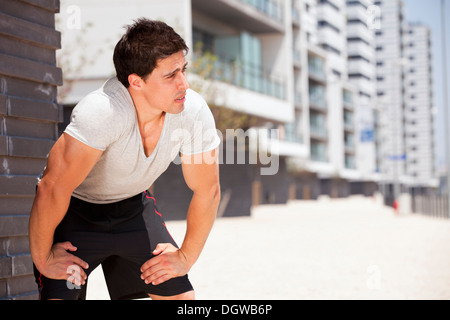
(121, 237)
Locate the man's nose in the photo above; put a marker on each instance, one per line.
(183, 83)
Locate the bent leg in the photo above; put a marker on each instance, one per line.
(134, 245)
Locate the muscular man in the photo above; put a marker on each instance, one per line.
(92, 205)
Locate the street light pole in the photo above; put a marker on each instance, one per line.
(446, 111)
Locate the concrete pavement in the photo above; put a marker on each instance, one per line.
(351, 248)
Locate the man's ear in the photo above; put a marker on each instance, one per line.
(135, 81)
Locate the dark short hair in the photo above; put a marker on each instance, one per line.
(145, 42)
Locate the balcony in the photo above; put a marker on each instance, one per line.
(295, 17)
(349, 143)
(244, 76)
(297, 57)
(270, 8)
(316, 69)
(264, 16)
(298, 100)
(350, 162)
(347, 98)
(317, 127)
(349, 124)
(317, 98)
(319, 152)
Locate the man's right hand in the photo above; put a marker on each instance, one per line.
(62, 265)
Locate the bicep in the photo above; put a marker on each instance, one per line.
(201, 171)
(69, 163)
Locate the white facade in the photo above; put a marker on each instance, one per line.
(419, 112)
(391, 69)
(404, 77)
(362, 74)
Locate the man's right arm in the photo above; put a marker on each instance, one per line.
(69, 163)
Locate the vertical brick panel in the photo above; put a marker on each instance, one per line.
(29, 116)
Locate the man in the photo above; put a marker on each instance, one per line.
(91, 205)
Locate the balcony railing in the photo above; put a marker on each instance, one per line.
(291, 133)
(298, 99)
(317, 98)
(288, 132)
(270, 8)
(318, 131)
(350, 162)
(316, 68)
(245, 76)
(319, 152)
(348, 99)
(297, 57)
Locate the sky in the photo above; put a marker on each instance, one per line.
(428, 12)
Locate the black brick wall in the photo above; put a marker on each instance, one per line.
(29, 115)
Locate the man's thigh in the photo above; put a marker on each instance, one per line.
(92, 248)
(133, 249)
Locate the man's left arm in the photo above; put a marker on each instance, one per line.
(201, 173)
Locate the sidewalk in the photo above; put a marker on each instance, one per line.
(329, 249)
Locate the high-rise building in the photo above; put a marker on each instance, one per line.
(391, 73)
(419, 117)
(362, 22)
(405, 97)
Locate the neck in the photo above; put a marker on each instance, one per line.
(146, 114)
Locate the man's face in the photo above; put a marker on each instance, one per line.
(165, 88)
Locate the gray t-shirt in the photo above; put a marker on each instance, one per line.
(106, 120)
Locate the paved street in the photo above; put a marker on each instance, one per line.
(329, 249)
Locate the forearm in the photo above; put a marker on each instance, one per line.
(200, 219)
(49, 208)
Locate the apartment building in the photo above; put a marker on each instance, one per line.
(419, 118)
(391, 73)
(361, 26)
(332, 38)
(405, 96)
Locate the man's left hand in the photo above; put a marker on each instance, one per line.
(169, 263)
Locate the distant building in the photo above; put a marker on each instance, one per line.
(420, 111)
(405, 96)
